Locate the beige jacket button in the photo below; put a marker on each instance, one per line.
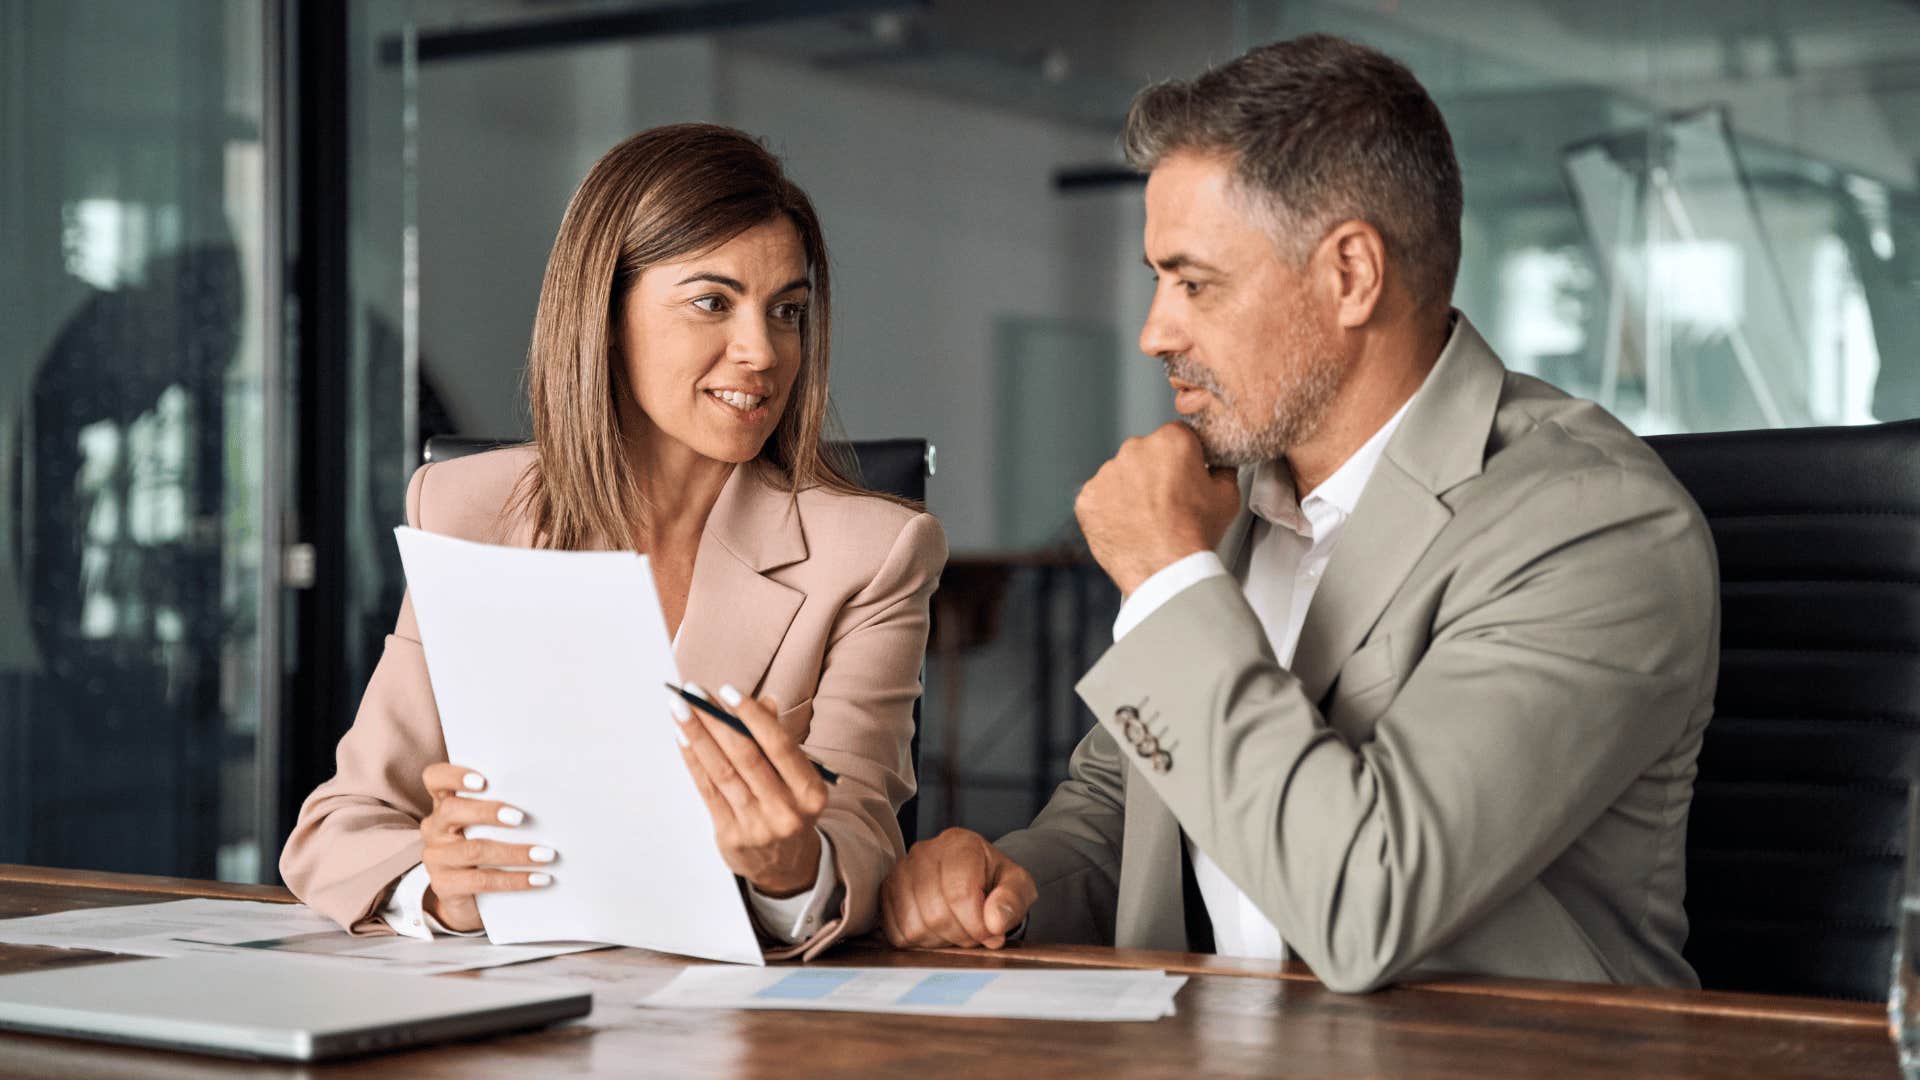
(1161, 761)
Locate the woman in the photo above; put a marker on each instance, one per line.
(678, 378)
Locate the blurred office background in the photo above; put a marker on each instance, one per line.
(253, 252)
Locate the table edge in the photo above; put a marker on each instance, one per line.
(1696, 1002)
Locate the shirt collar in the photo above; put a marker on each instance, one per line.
(1272, 498)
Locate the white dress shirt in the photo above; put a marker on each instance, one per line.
(1289, 545)
(792, 920)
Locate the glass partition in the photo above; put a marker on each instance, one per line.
(138, 337)
(1703, 219)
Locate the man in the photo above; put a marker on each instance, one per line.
(1423, 690)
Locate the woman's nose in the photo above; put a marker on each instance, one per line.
(752, 345)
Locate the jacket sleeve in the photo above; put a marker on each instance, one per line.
(862, 725)
(1073, 848)
(360, 831)
(1573, 657)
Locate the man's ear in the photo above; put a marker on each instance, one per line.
(1354, 259)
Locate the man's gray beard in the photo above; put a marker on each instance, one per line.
(1298, 408)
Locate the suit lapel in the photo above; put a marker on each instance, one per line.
(1391, 528)
(736, 616)
(1440, 443)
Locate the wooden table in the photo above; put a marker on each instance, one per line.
(1236, 1018)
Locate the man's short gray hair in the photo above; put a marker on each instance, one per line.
(1321, 130)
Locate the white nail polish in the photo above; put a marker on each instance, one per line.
(474, 781)
(679, 707)
(539, 881)
(541, 854)
(509, 816)
(681, 738)
(694, 689)
(729, 695)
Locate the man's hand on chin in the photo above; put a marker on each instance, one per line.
(1155, 503)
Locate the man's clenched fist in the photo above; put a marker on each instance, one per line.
(1155, 503)
(955, 889)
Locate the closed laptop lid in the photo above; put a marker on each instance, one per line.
(270, 1006)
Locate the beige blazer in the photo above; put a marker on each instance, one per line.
(1482, 756)
(818, 599)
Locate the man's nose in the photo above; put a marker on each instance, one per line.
(1162, 334)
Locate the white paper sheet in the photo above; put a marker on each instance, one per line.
(291, 931)
(548, 669)
(1021, 995)
(613, 984)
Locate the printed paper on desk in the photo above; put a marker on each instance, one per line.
(546, 667)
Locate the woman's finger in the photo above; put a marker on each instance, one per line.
(772, 799)
(466, 882)
(717, 805)
(718, 765)
(470, 852)
(445, 780)
(455, 814)
(782, 752)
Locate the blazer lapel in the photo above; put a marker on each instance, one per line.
(1390, 530)
(1441, 443)
(736, 616)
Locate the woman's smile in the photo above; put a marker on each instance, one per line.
(740, 406)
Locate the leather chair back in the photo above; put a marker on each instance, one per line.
(1797, 834)
(894, 466)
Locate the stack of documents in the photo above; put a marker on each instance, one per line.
(1019, 995)
(286, 930)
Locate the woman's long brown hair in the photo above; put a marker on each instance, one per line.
(663, 194)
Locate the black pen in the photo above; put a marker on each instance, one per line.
(740, 726)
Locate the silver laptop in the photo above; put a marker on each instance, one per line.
(270, 1007)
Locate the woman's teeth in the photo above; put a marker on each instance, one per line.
(743, 402)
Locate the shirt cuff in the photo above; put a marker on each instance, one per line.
(797, 918)
(406, 912)
(1170, 581)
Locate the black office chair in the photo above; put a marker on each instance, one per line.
(1797, 833)
(895, 466)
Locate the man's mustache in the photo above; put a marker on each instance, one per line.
(1187, 371)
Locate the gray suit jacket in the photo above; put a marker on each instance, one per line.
(1482, 757)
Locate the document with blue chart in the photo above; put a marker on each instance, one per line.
(1010, 994)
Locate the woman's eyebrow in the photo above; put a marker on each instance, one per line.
(731, 283)
(717, 279)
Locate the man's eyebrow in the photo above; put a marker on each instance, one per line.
(1177, 262)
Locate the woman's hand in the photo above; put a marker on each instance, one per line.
(764, 799)
(458, 867)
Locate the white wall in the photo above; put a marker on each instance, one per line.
(941, 217)
(503, 143)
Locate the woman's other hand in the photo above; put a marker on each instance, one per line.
(764, 799)
(459, 867)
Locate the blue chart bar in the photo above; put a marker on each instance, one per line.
(946, 989)
(808, 985)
